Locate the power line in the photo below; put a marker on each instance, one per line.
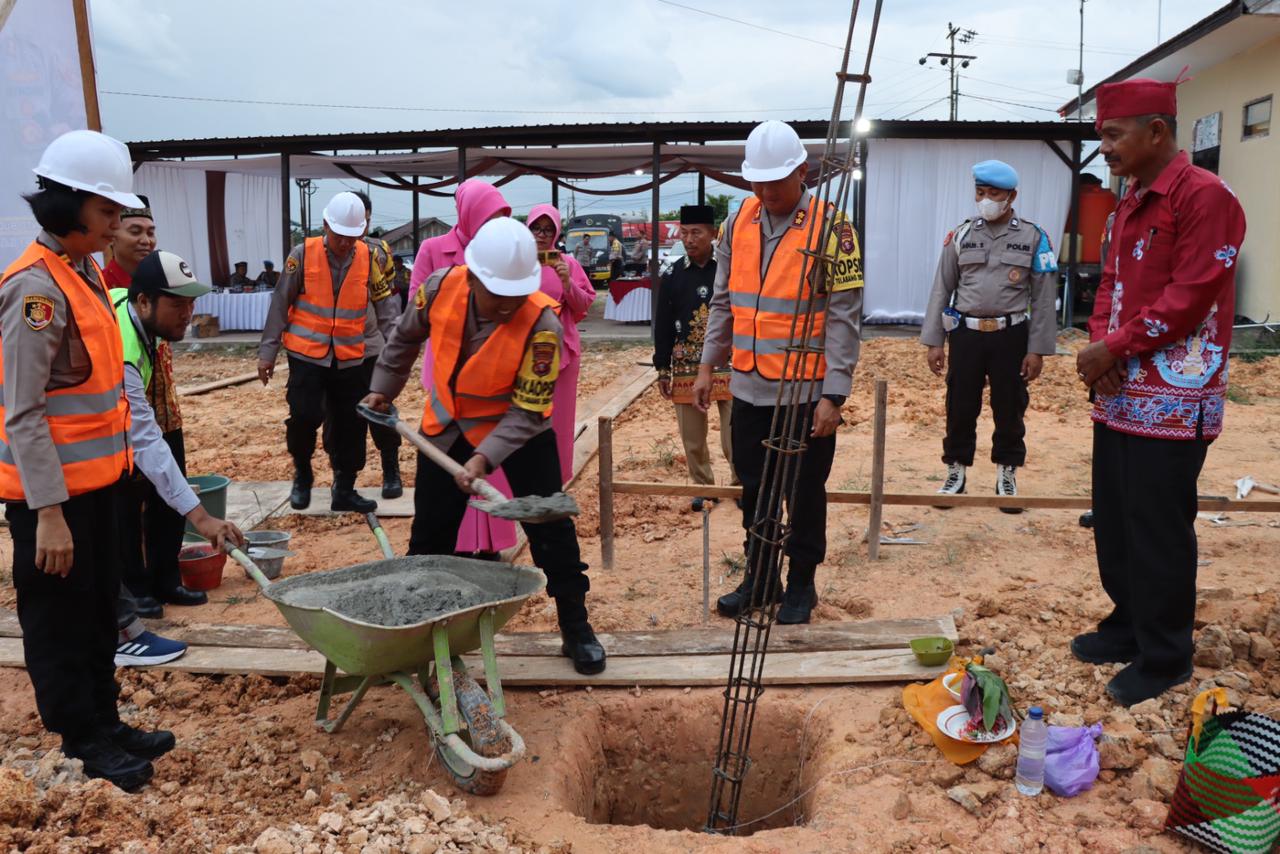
(925, 107)
(253, 102)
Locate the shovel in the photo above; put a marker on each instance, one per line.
(532, 509)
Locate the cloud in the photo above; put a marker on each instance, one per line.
(139, 37)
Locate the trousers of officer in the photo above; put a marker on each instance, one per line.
(532, 469)
(807, 545)
(151, 531)
(1144, 512)
(975, 360)
(69, 624)
(326, 396)
(386, 440)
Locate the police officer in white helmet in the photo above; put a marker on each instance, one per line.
(64, 451)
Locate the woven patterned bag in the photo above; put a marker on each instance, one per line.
(1228, 795)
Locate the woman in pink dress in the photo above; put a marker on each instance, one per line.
(566, 282)
(477, 203)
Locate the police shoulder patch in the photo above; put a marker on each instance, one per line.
(37, 311)
(846, 269)
(291, 265)
(379, 288)
(946, 241)
(420, 298)
(536, 380)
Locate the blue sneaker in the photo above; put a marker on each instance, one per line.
(148, 648)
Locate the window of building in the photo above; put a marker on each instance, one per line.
(1206, 139)
(1257, 118)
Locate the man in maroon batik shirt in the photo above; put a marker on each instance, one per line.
(1157, 366)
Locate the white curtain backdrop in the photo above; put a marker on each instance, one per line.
(253, 220)
(918, 190)
(178, 202)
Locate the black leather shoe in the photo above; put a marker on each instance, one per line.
(147, 745)
(104, 759)
(182, 596)
(737, 600)
(1094, 648)
(1086, 519)
(300, 495)
(345, 499)
(696, 504)
(581, 647)
(797, 604)
(392, 485)
(1131, 686)
(149, 607)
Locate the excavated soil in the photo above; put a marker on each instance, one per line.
(837, 769)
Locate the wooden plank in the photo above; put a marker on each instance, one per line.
(711, 640)
(606, 492)
(1208, 504)
(877, 472)
(250, 503)
(388, 508)
(782, 668)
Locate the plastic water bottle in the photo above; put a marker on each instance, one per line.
(1033, 736)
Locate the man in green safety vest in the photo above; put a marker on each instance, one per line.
(158, 305)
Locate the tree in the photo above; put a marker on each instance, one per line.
(721, 202)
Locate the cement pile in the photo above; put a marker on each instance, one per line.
(400, 597)
(532, 508)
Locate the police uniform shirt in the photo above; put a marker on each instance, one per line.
(519, 424)
(382, 280)
(843, 315)
(380, 315)
(683, 295)
(995, 271)
(40, 357)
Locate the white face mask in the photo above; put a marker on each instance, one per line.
(990, 209)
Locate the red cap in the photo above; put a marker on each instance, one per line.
(1138, 97)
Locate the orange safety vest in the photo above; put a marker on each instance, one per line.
(316, 323)
(89, 422)
(478, 394)
(764, 308)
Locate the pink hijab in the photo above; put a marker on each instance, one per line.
(575, 299)
(477, 202)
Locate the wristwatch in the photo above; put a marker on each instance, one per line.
(837, 399)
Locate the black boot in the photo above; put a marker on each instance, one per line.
(392, 486)
(582, 648)
(346, 499)
(300, 495)
(147, 745)
(738, 600)
(148, 606)
(801, 596)
(103, 758)
(182, 596)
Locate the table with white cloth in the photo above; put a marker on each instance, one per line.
(244, 312)
(629, 301)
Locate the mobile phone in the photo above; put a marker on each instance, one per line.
(548, 257)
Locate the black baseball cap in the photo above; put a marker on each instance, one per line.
(165, 273)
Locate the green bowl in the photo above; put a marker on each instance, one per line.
(933, 652)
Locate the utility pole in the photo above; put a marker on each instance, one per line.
(949, 59)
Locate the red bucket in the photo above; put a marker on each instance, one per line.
(201, 566)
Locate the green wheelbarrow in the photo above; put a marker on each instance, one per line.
(466, 724)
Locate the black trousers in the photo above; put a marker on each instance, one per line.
(326, 396)
(807, 545)
(534, 469)
(69, 624)
(151, 531)
(975, 359)
(386, 440)
(1144, 513)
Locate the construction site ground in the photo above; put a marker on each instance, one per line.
(629, 770)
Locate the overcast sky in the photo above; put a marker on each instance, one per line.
(200, 69)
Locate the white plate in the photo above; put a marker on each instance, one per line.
(952, 720)
(952, 682)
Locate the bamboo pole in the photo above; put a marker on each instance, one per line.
(606, 491)
(877, 472)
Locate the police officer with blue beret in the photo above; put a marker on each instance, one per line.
(993, 300)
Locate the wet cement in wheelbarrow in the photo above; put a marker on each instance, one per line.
(398, 592)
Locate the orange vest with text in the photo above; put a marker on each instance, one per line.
(477, 394)
(89, 422)
(764, 307)
(319, 319)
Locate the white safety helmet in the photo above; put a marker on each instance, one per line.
(504, 256)
(345, 215)
(774, 150)
(93, 162)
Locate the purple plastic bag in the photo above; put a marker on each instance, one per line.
(1071, 759)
